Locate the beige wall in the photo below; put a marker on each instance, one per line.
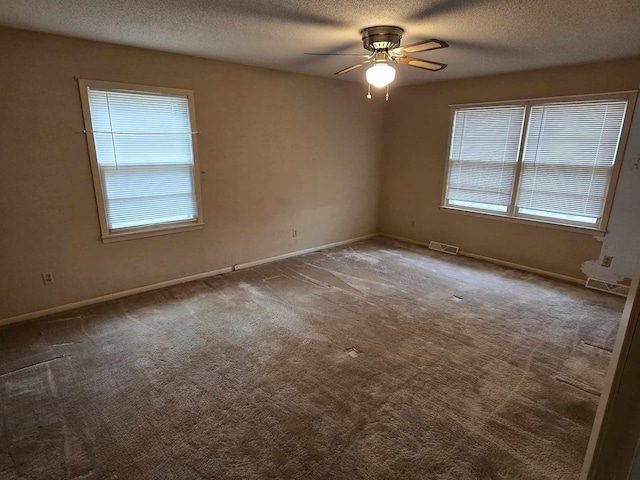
(417, 129)
(278, 151)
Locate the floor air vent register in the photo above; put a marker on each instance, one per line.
(609, 287)
(443, 247)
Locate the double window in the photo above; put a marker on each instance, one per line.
(143, 157)
(553, 161)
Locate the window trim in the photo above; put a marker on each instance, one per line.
(108, 236)
(629, 95)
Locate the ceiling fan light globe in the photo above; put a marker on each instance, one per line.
(381, 75)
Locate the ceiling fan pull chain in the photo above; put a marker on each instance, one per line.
(386, 97)
(369, 91)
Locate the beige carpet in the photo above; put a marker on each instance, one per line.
(461, 370)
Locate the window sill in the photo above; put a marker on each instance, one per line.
(527, 221)
(151, 232)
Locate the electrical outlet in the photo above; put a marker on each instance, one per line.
(294, 232)
(47, 278)
(606, 261)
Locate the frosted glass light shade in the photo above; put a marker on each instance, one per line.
(381, 75)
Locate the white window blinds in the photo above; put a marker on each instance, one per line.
(483, 157)
(145, 156)
(568, 158)
(558, 171)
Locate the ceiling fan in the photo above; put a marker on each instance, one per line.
(383, 43)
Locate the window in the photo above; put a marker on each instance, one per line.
(553, 161)
(143, 158)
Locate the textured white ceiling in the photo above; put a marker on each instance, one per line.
(485, 36)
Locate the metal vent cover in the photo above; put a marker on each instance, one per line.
(609, 287)
(443, 247)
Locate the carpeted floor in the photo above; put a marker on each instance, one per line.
(461, 370)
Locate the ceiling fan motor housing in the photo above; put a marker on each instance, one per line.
(383, 37)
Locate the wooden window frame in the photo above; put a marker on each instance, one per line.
(107, 235)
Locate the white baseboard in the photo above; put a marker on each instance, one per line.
(110, 296)
(405, 239)
(169, 283)
(255, 263)
(517, 266)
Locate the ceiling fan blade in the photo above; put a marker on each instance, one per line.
(352, 67)
(363, 55)
(423, 46)
(418, 63)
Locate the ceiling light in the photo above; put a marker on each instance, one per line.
(381, 75)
